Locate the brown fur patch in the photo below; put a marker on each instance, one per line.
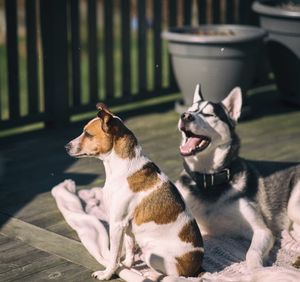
(162, 206)
(189, 264)
(145, 178)
(190, 234)
(124, 139)
(96, 141)
(296, 263)
(125, 143)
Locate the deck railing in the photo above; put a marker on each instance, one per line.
(59, 57)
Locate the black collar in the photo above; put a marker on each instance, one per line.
(209, 180)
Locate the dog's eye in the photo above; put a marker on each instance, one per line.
(88, 135)
(207, 115)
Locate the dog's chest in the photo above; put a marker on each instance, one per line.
(219, 217)
(120, 200)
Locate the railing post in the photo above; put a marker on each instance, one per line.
(53, 15)
(12, 58)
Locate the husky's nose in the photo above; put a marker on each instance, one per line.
(68, 147)
(187, 117)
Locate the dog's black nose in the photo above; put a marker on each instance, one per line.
(187, 117)
(68, 147)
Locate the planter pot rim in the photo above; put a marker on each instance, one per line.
(243, 34)
(261, 7)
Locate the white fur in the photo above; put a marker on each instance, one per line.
(197, 94)
(293, 209)
(233, 103)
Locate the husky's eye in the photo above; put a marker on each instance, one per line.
(207, 115)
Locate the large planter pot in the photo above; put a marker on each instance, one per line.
(219, 57)
(283, 45)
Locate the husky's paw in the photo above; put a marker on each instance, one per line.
(103, 275)
(253, 260)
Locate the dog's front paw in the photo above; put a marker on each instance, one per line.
(103, 275)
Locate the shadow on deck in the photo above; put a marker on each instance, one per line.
(35, 242)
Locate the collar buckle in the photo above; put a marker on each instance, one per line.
(227, 173)
(204, 181)
(208, 180)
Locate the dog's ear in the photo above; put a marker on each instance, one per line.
(233, 103)
(102, 108)
(108, 121)
(197, 94)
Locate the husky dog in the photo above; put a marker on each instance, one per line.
(227, 194)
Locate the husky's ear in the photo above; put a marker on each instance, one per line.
(233, 103)
(197, 94)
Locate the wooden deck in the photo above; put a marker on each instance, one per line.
(35, 242)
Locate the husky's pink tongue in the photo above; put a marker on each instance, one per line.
(189, 145)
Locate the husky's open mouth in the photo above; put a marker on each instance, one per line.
(193, 143)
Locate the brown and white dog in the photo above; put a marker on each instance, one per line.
(143, 206)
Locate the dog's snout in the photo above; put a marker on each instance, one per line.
(68, 147)
(187, 117)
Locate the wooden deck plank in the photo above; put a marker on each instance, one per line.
(17, 274)
(22, 259)
(21, 256)
(8, 244)
(3, 241)
(63, 272)
(25, 263)
(46, 241)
